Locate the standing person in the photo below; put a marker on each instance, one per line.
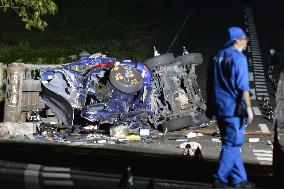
(228, 99)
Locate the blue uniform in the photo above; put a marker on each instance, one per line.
(226, 82)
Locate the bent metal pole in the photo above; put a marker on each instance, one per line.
(13, 98)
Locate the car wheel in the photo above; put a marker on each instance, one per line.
(177, 123)
(126, 79)
(160, 60)
(192, 58)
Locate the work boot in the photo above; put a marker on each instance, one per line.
(219, 184)
(244, 185)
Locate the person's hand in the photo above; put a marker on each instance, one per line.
(250, 115)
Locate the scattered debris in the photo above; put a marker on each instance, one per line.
(194, 135)
(133, 137)
(120, 131)
(144, 132)
(181, 140)
(253, 139)
(10, 129)
(193, 145)
(191, 149)
(216, 140)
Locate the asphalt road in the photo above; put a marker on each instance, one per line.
(201, 27)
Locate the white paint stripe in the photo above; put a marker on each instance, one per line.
(31, 176)
(265, 163)
(252, 31)
(253, 37)
(59, 182)
(59, 169)
(56, 175)
(262, 94)
(260, 83)
(263, 81)
(258, 69)
(256, 111)
(264, 128)
(260, 86)
(258, 73)
(259, 76)
(255, 46)
(180, 30)
(246, 23)
(263, 155)
(250, 76)
(263, 159)
(259, 79)
(262, 151)
(257, 89)
(253, 96)
(257, 66)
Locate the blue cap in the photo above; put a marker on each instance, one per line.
(234, 33)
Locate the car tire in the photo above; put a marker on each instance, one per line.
(160, 60)
(192, 58)
(177, 123)
(118, 75)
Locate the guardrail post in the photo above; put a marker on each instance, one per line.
(13, 98)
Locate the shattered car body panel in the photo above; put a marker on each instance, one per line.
(105, 92)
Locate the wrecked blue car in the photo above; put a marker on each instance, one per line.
(100, 90)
